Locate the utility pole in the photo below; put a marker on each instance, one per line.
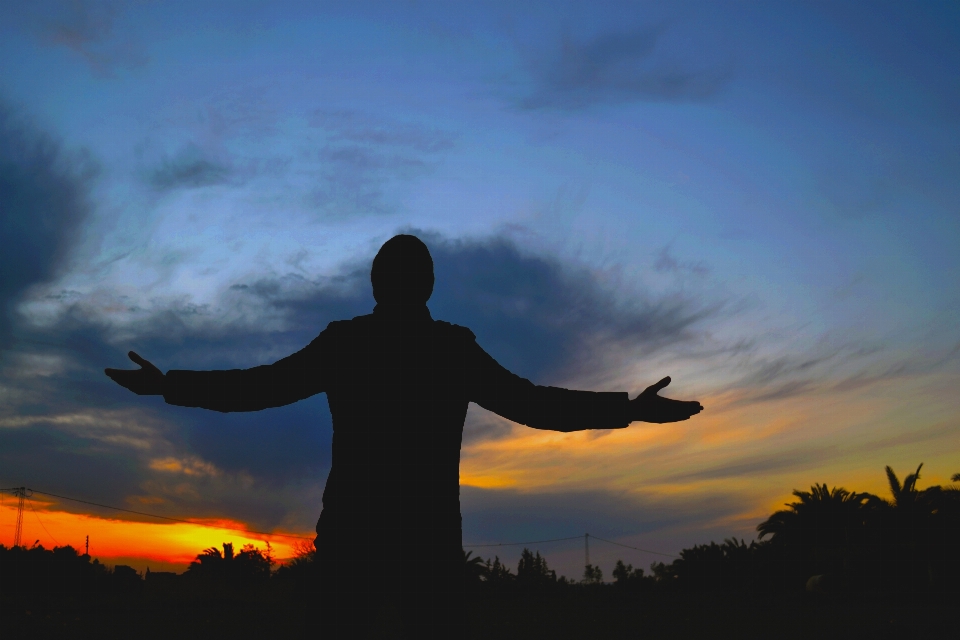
(87, 552)
(21, 493)
(586, 550)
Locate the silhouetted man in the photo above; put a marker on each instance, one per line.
(398, 383)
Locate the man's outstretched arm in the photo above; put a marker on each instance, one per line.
(557, 409)
(286, 381)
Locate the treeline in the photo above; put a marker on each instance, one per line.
(828, 540)
(63, 571)
(834, 540)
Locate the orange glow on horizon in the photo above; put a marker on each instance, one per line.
(139, 543)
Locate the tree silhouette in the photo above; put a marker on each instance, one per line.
(917, 530)
(905, 496)
(825, 530)
(498, 574)
(533, 572)
(249, 566)
(474, 569)
(626, 577)
(592, 575)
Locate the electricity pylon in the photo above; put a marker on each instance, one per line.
(21, 493)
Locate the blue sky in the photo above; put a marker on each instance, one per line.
(757, 199)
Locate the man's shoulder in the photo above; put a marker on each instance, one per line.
(338, 329)
(356, 321)
(454, 330)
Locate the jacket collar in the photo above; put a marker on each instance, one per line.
(417, 313)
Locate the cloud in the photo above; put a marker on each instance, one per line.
(87, 29)
(43, 201)
(632, 518)
(360, 128)
(540, 317)
(619, 67)
(364, 158)
(808, 456)
(500, 515)
(552, 321)
(667, 263)
(832, 366)
(546, 319)
(796, 459)
(188, 169)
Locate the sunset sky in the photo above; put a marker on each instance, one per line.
(758, 199)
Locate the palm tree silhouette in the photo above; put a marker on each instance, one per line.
(474, 569)
(915, 521)
(905, 496)
(824, 529)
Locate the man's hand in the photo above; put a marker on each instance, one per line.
(146, 381)
(649, 407)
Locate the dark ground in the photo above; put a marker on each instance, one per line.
(577, 613)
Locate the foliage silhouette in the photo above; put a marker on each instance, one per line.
(592, 575)
(533, 572)
(895, 559)
(248, 566)
(474, 570)
(627, 578)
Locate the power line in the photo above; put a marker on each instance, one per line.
(669, 555)
(154, 515)
(37, 516)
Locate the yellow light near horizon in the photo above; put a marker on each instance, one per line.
(751, 454)
(170, 543)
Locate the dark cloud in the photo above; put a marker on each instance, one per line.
(188, 169)
(46, 458)
(619, 67)
(492, 516)
(87, 29)
(543, 318)
(506, 514)
(539, 317)
(43, 200)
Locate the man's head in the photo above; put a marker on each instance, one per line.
(402, 272)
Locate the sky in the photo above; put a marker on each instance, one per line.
(757, 199)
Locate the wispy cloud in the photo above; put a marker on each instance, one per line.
(616, 67)
(666, 262)
(361, 128)
(831, 366)
(362, 158)
(190, 168)
(86, 27)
